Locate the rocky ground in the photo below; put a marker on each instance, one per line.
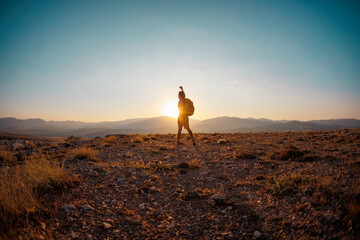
(293, 185)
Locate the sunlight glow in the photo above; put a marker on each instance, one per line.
(171, 109)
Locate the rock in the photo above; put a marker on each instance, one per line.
(142, 206)
(106, 225)
(227, 234)
(86, 208)
(68, 208)
(116, 232)
(107, 201)
(18, 145)
(217, 199)
(257, 234)
(328, 217)
(120, 180)
(190, 196)
(221, 141)
(305, 200)
(168, 158)
(143, 175)
(160, 211)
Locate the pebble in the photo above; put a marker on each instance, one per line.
(217, 199)
(68, 208)
(257, 234)
(142, 206)
(86, 208)
(328, 217)
(117, 232)
(221, 141)
(120, 180)
(106, 225)
(143, 175)
(160, 211)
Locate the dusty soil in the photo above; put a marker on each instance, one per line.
(294, 185)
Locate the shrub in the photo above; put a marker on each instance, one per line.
(111, 139)
(72, 138)
(285, 185)
(85, 153)
(137, 139)
(19, 188)
(7, 157)
(291, 153)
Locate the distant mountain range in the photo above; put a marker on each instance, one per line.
(167, 125)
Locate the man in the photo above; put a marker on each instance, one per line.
(186, 109)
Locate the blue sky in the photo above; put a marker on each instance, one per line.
(112, 60)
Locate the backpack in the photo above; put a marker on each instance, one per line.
(189, 107)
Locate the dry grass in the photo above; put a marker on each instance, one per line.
(19, 188)
(31, 144)
(7, 157)
(286, 185)
(137, 139)
(72, 138)
(111, 139)
(85, 153)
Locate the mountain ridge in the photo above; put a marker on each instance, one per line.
(165, 124)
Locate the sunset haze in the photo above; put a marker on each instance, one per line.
(112, 60)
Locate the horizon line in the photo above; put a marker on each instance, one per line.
(289, 120)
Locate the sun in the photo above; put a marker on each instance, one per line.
(171, 109)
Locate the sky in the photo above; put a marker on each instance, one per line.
(114, 60)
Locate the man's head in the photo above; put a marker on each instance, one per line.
(181, 95)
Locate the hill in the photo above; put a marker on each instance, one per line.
(168, 125)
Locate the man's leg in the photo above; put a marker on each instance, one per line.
(180, 126)
(191, 134)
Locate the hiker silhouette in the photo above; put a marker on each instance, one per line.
(186, 109)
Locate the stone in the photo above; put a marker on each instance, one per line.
(68, 208)
(218, 199)
(86, 208)
(221, 141)
(120, 180)
(116, 232)
(142, 206)
(160, 211)
(18, 145)
(106, 225)
(305, 200)
(143, 175)
(257, 234)
(328, 217)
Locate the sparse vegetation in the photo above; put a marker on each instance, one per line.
(19, 188)
(286, 185)
(83, 153)
(111, 139)
(280, 185)
(72, 138)
(7, 157)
